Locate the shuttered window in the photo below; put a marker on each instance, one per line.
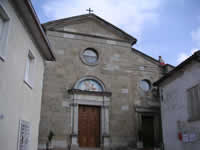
(4, 26)
(30, 67)
(194, 102)
(1, 26)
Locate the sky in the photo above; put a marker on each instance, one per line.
(167, 28)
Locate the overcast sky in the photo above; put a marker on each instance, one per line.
(170, 28)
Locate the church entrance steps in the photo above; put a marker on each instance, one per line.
(143, 149)
(89, 148)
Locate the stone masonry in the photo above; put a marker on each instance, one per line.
(120, 68)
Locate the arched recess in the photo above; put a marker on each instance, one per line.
(90, 83)
(90, 91)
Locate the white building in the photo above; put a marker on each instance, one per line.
(23, 49)
(180, 105)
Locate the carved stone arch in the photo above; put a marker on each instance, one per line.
(92, 80)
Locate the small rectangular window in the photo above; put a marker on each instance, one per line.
(4, 26)
(194, 102)
(1, 26)
(29, 72)
(24, 135)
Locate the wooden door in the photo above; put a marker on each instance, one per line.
(89, 126)
(148, 131)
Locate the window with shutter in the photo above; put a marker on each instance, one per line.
(1, 26)
(4, 26)
(29, 72)
(194, 103)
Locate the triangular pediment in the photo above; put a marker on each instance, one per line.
(92, 25)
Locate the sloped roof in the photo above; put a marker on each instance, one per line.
(146, 56)
(28, 14)
(195, 56)
(51, 24)
(150, 58)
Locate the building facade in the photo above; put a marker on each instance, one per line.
(99, 92)
(23, 49)
(180, 95)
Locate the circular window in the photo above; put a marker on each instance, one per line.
(89, 56)
(145, 85)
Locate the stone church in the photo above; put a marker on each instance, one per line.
(99, 92)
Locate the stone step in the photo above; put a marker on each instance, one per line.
(89, 148)
(144, 149)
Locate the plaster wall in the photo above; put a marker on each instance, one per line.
(17, 100)
(174, 108)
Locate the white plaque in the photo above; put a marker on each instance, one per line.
(1, 116)
(111, 42)
(24, 135)
(192, 137)
(185, 138)
(65, 104)
(125, 108)
(67, 35)
(141, 68)
(125, 91)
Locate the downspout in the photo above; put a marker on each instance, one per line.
(72, 120)
(161, 101)
(104, 122)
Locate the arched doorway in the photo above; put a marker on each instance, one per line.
(90, 113)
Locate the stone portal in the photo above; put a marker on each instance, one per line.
(148, 131)
(90, 119)
(89, 126)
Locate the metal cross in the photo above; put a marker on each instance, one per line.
(89, 10)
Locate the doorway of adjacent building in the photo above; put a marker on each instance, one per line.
(148, 131)
(89, 126)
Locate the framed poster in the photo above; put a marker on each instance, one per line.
(24, 135)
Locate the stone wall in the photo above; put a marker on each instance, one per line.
(120, 68)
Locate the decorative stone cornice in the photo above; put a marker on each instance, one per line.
(77, 91)
(155, 109)
(105, 106)
(74, 134)
(74, 104)
(106, 135)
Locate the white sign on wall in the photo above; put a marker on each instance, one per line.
(189, 137)
(1, 116)
(24, 135)
(125, 91)
(124, 108)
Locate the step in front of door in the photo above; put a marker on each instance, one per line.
(89, 148)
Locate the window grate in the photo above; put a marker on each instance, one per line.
(193, 95)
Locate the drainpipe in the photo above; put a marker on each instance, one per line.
(104, 121)
(72, 120)
(161, 101)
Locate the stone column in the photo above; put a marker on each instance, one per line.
(106, 113)
(105, 121)
(74, 135)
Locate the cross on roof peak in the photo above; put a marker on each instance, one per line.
(90, 10)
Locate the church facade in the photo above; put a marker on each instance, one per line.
(99, 92)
